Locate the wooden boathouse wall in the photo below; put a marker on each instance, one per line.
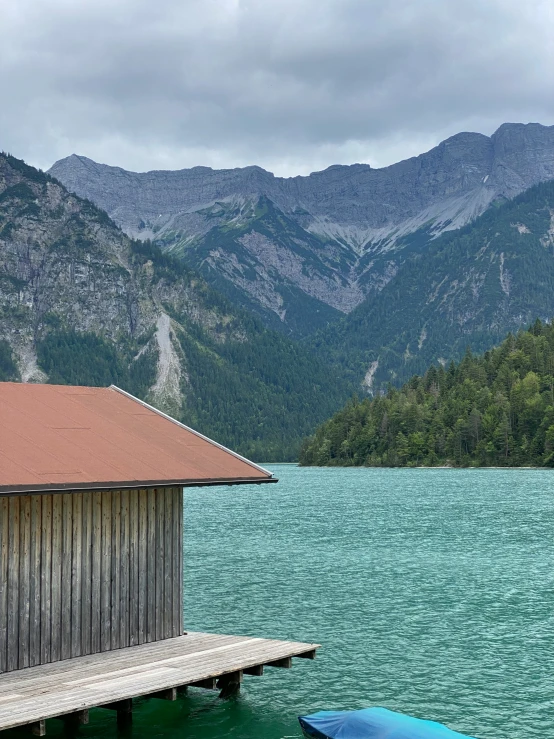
(88, 572)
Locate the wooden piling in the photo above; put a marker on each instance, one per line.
(38, 728)
(229, 684)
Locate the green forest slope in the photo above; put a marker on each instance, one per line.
(492, 410)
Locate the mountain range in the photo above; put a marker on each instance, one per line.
(250, 306)
(304, 251)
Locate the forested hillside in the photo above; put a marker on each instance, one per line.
(82, 303)
(491, 410)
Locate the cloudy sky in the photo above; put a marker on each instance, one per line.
(291, 85)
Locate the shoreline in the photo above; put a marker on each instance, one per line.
(417, 467)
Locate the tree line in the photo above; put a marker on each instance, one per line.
(491, 410)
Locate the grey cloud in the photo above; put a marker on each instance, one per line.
(291, 85)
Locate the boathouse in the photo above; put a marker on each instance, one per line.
(91, 556)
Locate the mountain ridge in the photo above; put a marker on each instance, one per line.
(345, 228)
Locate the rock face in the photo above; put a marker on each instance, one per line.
(302, 250)
(80, 302)
(468, 287)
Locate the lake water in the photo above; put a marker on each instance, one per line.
(431, 591)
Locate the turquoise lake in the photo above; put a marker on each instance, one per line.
(431, 592)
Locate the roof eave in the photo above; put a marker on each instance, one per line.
(132, 485)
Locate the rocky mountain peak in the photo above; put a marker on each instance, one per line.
(342, 231)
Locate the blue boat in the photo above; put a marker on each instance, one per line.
(373, 723)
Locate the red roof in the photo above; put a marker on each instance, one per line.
(60, 437)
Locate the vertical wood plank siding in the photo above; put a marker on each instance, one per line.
(88, 572)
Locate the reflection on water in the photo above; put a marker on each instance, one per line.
(431, 591)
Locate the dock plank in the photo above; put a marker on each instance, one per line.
(46, 691)
(22, 682)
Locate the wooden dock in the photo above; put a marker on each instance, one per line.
(68, 689)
